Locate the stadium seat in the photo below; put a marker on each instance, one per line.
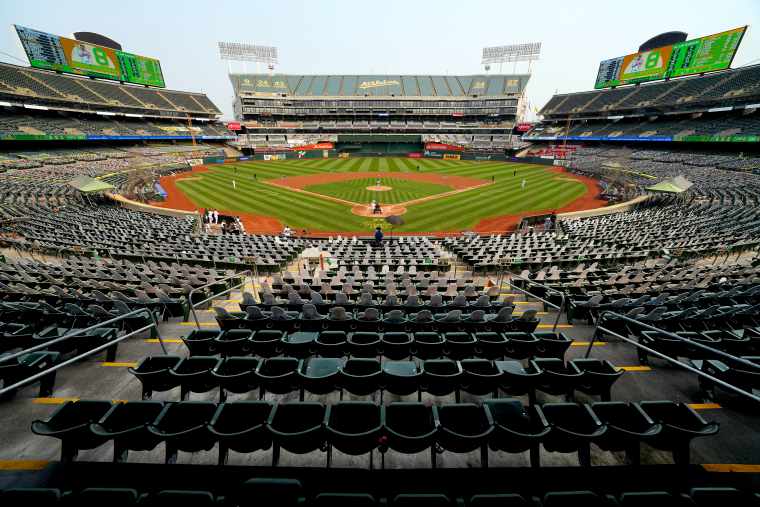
(127, 425)
(278, 375)
(361, 376)
(241, 426)
(234, 342)
(354, 428)
(363, 344)
(458, 345)
(298, 428)
(332, 344)
(574, 428)
(70, 423)
(598, 376)
(680, 424)
(183, 427)
(202, 342)
(153, 373)
(463, 428)
(301, 344)
(627, 426)
(490, 345)
(480, 377)
(516, 381)
(320, 376)
(25, 366)
(520, 345)
(427, 345)
(236, 375)
(555, 378)
(514, 431)
(739, 375)
(551, 344)
(396, 345)
(441, 377)
(401, 378)
(193, 374)
(268, 343)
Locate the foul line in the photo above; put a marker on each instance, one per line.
(357, 204)
(442, 195)
(311, 193)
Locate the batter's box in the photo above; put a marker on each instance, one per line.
(491, 192)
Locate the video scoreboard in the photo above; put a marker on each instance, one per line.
(707, 54)
(51, 52)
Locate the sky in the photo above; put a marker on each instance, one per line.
(402, 37)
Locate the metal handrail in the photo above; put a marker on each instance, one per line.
(678, 363)
(81, 331)
(34, 378)
(666, 333)
(514, 287)
(237, 275)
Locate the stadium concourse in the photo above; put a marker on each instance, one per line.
(608, 357)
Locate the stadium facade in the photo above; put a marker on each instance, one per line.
(394, 103)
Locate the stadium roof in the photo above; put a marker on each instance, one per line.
(385, 85)
(88, 185)
(674, 185)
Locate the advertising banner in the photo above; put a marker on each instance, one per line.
(325, 153)
(244, 159)
(273, 158)
(192, 162)
(450, 157)
(513, 159)
(435, 146)
(433, 154)
(343, 155)
(523, 127)
(318, 146)
(414, 155)
(234, 126)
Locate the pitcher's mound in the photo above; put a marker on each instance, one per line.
(375, 188)
(388, 210)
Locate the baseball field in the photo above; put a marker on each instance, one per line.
(430, 195)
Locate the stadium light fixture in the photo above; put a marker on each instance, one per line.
(512, 53)
(246, 52)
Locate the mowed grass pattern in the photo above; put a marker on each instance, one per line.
(356, 190)
(458, 211)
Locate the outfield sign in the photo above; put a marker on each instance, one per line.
(414, 155)
(438, 146)
(450, 157)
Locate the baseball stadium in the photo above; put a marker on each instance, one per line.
(373, 290)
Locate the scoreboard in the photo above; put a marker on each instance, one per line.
(51, 52)
(707, 54)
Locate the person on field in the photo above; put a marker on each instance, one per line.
(216, 217)
(331, 170)
(493, 178)
(376, 209)
(233, 184)
(379, 236)
(547, 224)
(523, 184)
(283, 177)
(235, 170)
(515, 173)
(444, 176)
(254, 177)
(418, 168)
(378, 183)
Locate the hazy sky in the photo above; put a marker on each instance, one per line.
(404, 37)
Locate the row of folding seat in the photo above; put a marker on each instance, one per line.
(289, 493)
(365, 376)
(392, 344)
(371, 319)
(411, 303)
(359, 427)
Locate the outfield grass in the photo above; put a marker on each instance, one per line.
(458, 211)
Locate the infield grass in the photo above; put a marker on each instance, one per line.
(458, 211)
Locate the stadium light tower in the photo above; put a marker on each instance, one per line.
(513, 53)
(242, 52)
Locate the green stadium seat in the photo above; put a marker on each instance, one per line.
(183, 427)
(514, 431)
(70, 423)
(242, 427)
(127, 425)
